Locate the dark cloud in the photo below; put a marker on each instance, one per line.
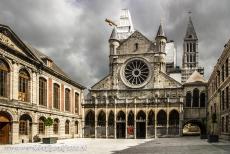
(75, 35)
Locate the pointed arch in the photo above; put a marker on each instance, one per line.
(151, 118)
(174, 118)
(101, 119)
(202, 99)
(131, 118)
(188, 99)
(196, 95)
(111, 119)
(90, 118)
(161, 118)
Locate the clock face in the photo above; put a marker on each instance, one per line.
(136, 72)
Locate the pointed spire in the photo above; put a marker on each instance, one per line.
(190, 32)
(160, 32)
(114, 35)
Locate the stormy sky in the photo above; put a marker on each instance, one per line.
(74, 34)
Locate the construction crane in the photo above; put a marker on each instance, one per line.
(110, 22)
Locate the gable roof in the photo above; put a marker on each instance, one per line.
(196, 77)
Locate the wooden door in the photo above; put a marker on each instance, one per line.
(4, 132)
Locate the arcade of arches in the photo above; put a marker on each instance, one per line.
(131, 125)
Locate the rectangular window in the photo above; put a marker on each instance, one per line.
(227, 120)
(41, 127)
(23, 127)
(222, 72)
(227, 97)
(222, 100)
(42, 91)
(226, 68)
(56, 96)
(67, 99)
(76, 102)
(222, 124)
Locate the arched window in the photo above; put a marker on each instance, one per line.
(76, 103)
(67, 127)
(41, 125)
(67, 99)
(23, 86)
(56, 96)
(25, 122)
(101, 120)
(196, 98)
(188, 99)
(76, 127)
(42, 91)
(56, 126)
(131, 119)
(202, 99)
(4, 70)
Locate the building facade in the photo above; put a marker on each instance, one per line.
(139, 98)
(218, 94)
(32, 89)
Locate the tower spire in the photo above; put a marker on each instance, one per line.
(190, 31)
(160, 32)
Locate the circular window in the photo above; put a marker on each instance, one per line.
(136, 72)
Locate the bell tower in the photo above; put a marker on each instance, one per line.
(190, 60)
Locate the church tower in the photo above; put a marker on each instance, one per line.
(190, 60)
(161, 41)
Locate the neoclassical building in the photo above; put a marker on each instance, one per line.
(33, 88)
(218, 95)
(140, 98)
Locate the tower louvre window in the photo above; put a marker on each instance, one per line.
(226, 68)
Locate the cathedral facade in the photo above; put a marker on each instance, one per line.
(33, 89)
(141, 97)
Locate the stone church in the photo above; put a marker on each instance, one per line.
(145, 94)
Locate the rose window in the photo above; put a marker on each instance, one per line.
(136, 72)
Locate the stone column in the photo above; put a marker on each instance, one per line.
(95, 120)
(155, 121)
(15, 132)
(115, 120)
(135, 123)
(126, 123)
(106, 117)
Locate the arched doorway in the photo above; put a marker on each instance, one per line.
(161, 123)
(194, 128)
(130, 129)
(174, 122)
(89, 129)
(151, 124)
(121, 124)
(101, 129)
(141, 125)
(111, 125)
(5, 127)
(25, 128)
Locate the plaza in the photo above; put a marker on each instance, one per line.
(183, 145)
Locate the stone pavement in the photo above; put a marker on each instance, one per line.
(184, 145)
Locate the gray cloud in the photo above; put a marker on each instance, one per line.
(75, 35)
